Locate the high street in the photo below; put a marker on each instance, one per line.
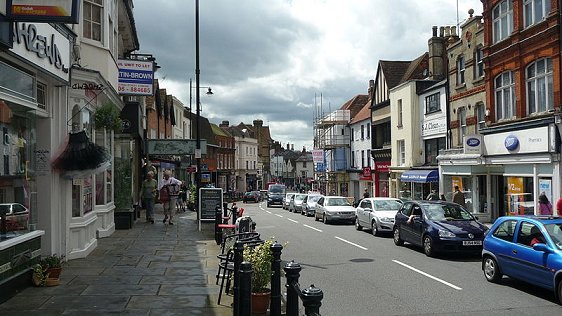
(361, 274)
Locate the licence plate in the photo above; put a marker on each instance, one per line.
(472, 242)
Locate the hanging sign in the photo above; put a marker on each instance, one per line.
(135, 77)
(43, 11)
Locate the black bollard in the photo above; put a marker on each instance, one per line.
(238, 255)
(312, 300)
(292, 273)
(245, 289)
(234, 214)
(224, 212)
(275, 303)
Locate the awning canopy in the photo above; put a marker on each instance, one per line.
(421, 176)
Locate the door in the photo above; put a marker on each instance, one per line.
(363, 212)
(401, 219)
(417, 224)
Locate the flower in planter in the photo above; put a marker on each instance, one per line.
(260, 257)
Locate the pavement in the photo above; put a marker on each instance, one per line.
(151, 269)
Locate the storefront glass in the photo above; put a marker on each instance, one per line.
(518, 196)
(18, 209)
(473, 187)
(123, 174)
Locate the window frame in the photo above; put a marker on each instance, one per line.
(89, 5)
(480, 116)
(479, 63)
(434, 99)
(400, 113)
(401, 145)
(548, 88)
(500, 90)
(461, 68)
(498, 16)
(534, 19)
(461, 115)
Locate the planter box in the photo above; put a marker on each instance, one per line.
(124, 218)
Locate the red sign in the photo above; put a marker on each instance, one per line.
(191, 169)
(383, 166)
(366, 174)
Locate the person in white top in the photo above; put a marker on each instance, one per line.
(169, 188)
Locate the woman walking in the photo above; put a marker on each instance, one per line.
(545, 207)
(148, 194)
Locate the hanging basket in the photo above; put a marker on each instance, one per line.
(81, 157)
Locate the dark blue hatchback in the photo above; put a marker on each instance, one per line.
(438, 226)
(528, 248)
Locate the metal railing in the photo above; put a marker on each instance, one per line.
(242, 306)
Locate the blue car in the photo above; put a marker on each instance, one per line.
(438, 226)
(528, 248)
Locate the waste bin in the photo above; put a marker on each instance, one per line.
(243, 224)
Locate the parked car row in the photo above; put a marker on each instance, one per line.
(528, 248)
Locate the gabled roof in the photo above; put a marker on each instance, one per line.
(218, 131)
(363, 114)
(393, 72)
(416, 68)
(355, 104)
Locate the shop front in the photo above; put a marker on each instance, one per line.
(381, 177)
(416, 184)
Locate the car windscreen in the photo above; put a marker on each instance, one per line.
(299, 197)
(314, 198)
(277, 190)
(387, 205)
(436, 212)
(337, 202)
(555, 232)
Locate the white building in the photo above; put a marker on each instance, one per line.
(361, 162)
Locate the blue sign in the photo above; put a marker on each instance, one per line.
(511, 142)
(472, 142)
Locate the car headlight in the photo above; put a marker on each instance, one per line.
(446, 234)
(387, 219)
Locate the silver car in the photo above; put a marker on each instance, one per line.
(334, 208)
(287, 200)
(309, 204)
(377, 214)
(295, 205)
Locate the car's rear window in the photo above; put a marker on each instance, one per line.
(338, 202)
(389, 205)
(505, 230)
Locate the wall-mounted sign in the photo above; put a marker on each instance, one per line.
(366, 174)
(472, 144)
(174, 146)
(525, 141)
(44, 46)
(46, 11)
(318, 155)
(382, 166)
(434, 126)
(135, 77)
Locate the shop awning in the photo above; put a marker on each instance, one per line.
(421, 176)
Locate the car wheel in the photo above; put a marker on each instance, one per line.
(324, 218)
(268, 205)
(492, 271)
(315, 217)
(375, 229)
(357, 225)
(559, 292)
(397, 240)
(428, 246)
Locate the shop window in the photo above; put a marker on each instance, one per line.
(17, 82)
(518, 196)
(502, 20)
(535, 11)
(540, 95)
(505, 95)
(432, 148)
(93, 18)
(41, 96)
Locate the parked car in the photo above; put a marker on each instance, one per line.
(438, 226)
(309, 203)
(286, 200)
(334, 208)
(275, 194)
(377, 214)
(15, 215)
(527, 248)
(251, 197)
(295, 205)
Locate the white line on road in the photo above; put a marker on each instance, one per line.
(428, 275)
(316, 229)
(292, 220)
(278, 215)
(268, 212)
(351, 243)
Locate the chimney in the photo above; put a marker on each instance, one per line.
(437, 53)
(288, 146)
(258, 123)
(224, 124)
(293, 147)
(303, 149)
(371, 90)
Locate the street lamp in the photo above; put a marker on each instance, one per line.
(209, 92)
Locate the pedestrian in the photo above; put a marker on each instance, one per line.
(545, 207)
(366, 193)
(559, 206)
(458, 197)
(443, 197)
(168, 189)
(433, 196)
(148, 194)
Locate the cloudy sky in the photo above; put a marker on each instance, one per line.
(272, 59)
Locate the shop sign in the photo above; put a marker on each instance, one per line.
(545, 186)
(135, 77)
(533, 140)
(318, 155)
(434, 126)
(382, 166)
(366, 174)
(46, 11)
(472, 144)
(174, 146)
(515, 196)
(457, 181)
(44, 46)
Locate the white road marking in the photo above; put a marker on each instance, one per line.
(316, 229)
(351, 243)
(279, 215)
(268, 212)
(428, 275)
(292, 220)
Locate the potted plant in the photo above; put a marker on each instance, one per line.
(52, 267)
(39, 276)
(260, 257)
(107, 116)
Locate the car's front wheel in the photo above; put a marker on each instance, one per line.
(374, 229)
(357, 225)
(428, 246)
(492, 271)
(397, 240)
(559, 292)
(315, 217)
(325, 218)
